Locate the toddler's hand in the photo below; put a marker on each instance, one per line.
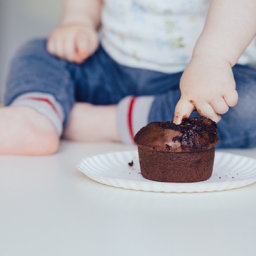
(73, 42)
(208, 86)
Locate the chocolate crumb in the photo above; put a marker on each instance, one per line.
(167, 147)
(131, 163)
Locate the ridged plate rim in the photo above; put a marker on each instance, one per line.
(88, 164)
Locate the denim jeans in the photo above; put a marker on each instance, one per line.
(102, 81)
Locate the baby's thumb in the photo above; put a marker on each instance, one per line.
(183, 109)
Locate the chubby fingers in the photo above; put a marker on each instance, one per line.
(82, 47)
(183, 109)
(86, 44)
(72, 44)
(231, 98)
(219, 105)
(69, 48)
(61, 45)
(205, 109)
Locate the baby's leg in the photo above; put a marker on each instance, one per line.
(92, 123)
(120, 122)
(39, 96)
(24, 131)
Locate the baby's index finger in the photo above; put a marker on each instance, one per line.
(183, 110)
(178, 118)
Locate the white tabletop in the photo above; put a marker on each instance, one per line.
(48, 208)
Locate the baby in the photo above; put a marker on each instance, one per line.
(111, 67)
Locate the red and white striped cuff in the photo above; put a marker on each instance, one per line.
(44, 103)
(132, 116)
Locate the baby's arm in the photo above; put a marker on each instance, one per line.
(208, 84)
(76, 38)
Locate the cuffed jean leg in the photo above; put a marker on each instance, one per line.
(34, 70)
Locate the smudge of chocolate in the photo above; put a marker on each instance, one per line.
(197, 132)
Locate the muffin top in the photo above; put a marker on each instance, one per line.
(192, 135)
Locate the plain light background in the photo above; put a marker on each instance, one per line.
(20, 21)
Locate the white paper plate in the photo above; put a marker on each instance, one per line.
(230, 171)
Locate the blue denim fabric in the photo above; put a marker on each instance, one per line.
(102, 81)
(237, 128)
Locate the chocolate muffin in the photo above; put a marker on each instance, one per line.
(177, 153)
